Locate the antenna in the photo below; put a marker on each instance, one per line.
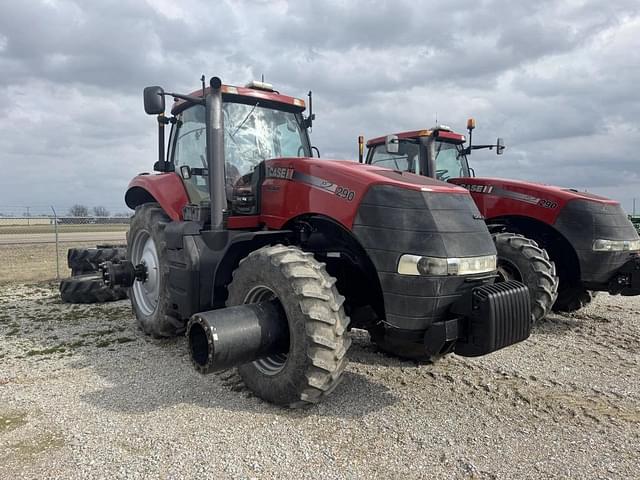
(262, 77)
(436, 118)
(202, 80)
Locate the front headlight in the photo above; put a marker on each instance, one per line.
(601, 245)
(418, 265)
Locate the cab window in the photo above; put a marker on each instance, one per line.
(406, 160)
(449, 161)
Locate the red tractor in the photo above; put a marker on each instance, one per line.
(540, 231)
(266, 256)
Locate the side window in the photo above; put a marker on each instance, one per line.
(190, 144)
(406, 160)
(448, 161)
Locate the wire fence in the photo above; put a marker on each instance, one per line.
(34, 248)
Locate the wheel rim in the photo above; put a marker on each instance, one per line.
(147, 292)
(273, 364)
(507, 271)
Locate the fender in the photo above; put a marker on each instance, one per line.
(165, 188)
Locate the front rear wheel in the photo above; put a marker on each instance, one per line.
(150, 297)
(521, 259)
(317, 325)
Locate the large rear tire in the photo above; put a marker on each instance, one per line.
(318, 338)
(521, 259)
(150, 298)
(89, 288)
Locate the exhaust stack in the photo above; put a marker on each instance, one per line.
(232, 336)
(215, 154)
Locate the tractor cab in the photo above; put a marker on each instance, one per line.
(259, 124)
(439, 152)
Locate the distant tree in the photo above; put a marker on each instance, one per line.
(79, 211)
(100, 212)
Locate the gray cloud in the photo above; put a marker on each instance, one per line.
(557, 79)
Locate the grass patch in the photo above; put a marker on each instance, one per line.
(11, 421)
(106, 343)
(46, 351)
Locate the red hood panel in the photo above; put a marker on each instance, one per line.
(533, 188)
(334, 188)
(498, 197)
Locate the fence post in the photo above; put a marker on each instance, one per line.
(55, 223)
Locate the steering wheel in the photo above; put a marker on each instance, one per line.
(442, 175)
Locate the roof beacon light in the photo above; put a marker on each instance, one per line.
(256, 85)
(471, 123)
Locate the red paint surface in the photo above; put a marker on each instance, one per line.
(492, 206)
(244, 221)
(167, 189)
(456, 137)
(409, 134)
(283, 199)
(228, 92)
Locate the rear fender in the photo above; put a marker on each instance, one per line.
(166, 189)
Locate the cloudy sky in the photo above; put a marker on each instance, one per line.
(557, 79)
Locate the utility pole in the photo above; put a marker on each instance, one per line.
(28, 216)
(634, 206)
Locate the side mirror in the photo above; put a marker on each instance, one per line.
(153, 100)
(392, 144)
(500, 145)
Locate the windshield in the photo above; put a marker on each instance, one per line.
(449, 161)
(253, 133)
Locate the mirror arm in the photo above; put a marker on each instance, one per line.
(187, 98)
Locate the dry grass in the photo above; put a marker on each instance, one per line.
(34, 262)
(25, 229)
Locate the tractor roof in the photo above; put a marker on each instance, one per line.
(440, 133)
(231, 92)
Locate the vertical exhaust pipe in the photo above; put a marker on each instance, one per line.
(215, 154)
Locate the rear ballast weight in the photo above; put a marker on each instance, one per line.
(265, 256)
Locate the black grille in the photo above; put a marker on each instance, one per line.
(500, 316)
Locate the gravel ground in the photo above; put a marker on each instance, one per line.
(83, 394)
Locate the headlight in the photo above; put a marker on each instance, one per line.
(616, 245)
(418, 265)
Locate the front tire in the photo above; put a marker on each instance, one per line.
(318, 339)
(150, 298)
(521, 259)
(572, 299)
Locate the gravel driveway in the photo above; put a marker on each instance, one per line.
(83, 394)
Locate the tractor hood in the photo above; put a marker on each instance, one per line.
(536, 190)
(333, 188)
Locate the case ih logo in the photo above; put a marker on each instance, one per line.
(501, 192)
(477, 188)
(280, 172)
